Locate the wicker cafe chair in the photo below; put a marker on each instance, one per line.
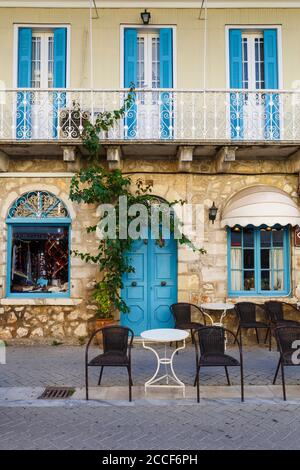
(182, 313)
(288, 341)
(275, 313)
(210, 352)
(117, 343)
(247, 319)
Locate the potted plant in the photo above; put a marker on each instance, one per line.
(104, 315)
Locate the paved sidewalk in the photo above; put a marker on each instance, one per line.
(220, 421)
(64, 365)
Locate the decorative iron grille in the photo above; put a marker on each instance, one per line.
(38, 205)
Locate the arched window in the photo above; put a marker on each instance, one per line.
(38, 263)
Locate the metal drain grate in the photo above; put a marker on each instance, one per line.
(56, 393)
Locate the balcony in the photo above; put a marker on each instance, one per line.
(202, 118)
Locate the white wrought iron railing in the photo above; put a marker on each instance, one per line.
(155, 115)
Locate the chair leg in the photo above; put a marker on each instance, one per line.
(276, 373)
(237, 333)
(257, 337)
(242, 383)
(283, 381)
(129, 382)
(198, 384)
(227, 375)
(86, 383)
(100, 376)
(270, 340)
(267, 335)
(192, 336)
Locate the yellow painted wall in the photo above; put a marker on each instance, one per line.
(189, 40)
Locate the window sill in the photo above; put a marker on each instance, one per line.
(259, 298)
(40, 301)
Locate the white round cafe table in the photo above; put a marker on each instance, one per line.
(164, 335)
(218, 306)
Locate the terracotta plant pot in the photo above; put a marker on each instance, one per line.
(101, 323)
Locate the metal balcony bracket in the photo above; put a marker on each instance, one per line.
(185, 157)
(224, 156)
(4, 161)
(114, 157)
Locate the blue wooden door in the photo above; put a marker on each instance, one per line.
(152, 288)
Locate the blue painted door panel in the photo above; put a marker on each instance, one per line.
(152, 288)
(134, 290)
(163, 290)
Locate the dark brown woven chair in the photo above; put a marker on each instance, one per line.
(210, 352)
(182, 313)
(117, 343)
(287, 338)
(247, 318)
(275, 314)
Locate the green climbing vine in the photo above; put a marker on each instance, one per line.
(97, 185)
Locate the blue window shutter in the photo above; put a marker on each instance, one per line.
(130, 57)
(272, 124)
(235, 54)
(271, 59)
(23, 121)
(236, 81)
(166, 81)
(59, 72)
(166, 57)
(130, 78)
(60, 57)
(24, 57)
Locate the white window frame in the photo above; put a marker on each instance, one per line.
(151, 28)
(148, 36)
(45, 36)
(257, 27)
(42, 27)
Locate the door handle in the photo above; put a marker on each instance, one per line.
(133, 284)
(163, 283)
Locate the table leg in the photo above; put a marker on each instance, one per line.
(155, 379)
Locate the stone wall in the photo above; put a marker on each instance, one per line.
(36, 322)
(201, 278)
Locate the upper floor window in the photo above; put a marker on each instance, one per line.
(258, 261)
(148, 64)
(253, 66)
(42, 59)
(253, 60)
(38, 246)
(148, 60)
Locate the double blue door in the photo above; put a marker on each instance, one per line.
(152, 287)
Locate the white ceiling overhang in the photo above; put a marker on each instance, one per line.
(151, 3)
(260, 205)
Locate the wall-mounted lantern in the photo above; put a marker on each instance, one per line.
(145, 15)
(212, 213)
